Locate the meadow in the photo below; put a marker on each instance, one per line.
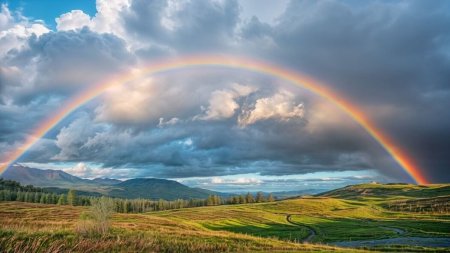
(325, 223)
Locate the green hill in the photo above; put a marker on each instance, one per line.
(154, 188)
(383, 191)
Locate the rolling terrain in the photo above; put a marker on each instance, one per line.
(338, 221)
(58, 181)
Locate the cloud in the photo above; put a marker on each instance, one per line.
(85, 171)
(236, 181)
(72, 138)
(71, 60)
(72, 20)
(280, 106)
(223, 104)
(169, 122)
(15, 31)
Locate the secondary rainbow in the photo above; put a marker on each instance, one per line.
(229, 62)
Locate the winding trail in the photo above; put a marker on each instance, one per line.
(398, 231)
(312, 232)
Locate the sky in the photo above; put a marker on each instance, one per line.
(223, 129)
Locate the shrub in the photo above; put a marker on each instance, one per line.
(97, 220)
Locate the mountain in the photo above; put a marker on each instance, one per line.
(154, 188)
(43, 178)
(59, 182)
(105, 181)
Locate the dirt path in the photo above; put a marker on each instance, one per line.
(312, 232)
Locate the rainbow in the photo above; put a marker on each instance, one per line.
(229, 62)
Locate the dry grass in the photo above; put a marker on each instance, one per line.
(26, 227)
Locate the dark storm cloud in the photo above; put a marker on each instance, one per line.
(390, 58)
(70, 60)
(184, 26)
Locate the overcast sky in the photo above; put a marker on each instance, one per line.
(227, 129)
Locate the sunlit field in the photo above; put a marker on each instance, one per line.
(300, 224)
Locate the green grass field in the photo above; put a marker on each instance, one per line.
(314, 224)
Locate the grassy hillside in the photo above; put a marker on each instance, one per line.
(383, 191)
(298, 225)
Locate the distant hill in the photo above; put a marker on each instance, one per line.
(290, 194)
(43, 178)
(106, 181)
(151, 188)
(65, 191)
(377, 190)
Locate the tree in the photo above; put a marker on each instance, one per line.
(72, 198)
(62, 200)
(42, 200)
(160, 205)
(210, 200)
(249, 198)
(270, 198)
(241, 199)
(260, 197)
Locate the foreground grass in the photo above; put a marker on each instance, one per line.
(29, 227)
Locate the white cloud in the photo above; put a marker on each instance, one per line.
(280, 106)
(85, 171)
(216, 180)
(75, 19)
(222, 104)
(14, 32)
(108, 17)
(170, 122)
(79, 170)
(236, 181)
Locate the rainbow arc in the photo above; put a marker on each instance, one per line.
(229, 62)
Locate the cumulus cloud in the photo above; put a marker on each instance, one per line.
(223, 104)
(72, 20)
(14, 31)
(70, 139)
(280, 106)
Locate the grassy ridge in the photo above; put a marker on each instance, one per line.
(394, 191)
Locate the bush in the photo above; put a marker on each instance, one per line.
(97, 220)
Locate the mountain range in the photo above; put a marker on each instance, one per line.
(151, 188)
(59, 182)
